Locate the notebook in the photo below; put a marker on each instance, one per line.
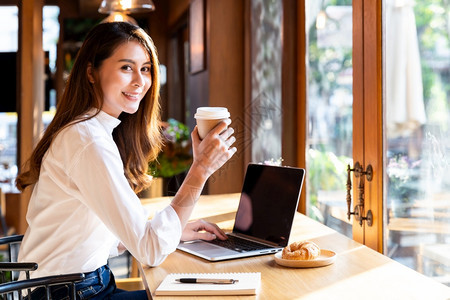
(247, 284)
(264, 217)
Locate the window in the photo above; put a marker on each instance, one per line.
(8, 116)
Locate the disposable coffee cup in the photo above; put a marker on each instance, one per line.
(208, 117)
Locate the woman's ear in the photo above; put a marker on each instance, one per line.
(90, 73)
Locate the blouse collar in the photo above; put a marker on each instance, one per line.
(108, 121)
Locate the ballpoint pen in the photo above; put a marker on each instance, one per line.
(206, 280)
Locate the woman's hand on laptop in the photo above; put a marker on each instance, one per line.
(202, 230)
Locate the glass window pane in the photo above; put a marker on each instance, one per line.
(9, 32)
(417, 188)
(266, 62)
(9, 26)
(330, 100)
(50, 37)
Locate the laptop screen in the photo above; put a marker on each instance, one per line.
(268, 202)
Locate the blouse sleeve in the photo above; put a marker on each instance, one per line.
(99, 175)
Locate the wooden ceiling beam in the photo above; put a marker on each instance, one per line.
(16, 2)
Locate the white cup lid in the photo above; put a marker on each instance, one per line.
(211, 112)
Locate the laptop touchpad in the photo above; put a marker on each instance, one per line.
(206, 248)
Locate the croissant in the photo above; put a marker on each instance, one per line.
(305, 250)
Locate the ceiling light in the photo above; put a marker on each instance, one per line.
(118, 16)
(126, 6)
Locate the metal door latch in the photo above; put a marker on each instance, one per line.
(358, 210)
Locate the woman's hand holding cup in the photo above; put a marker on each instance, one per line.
(213, 148)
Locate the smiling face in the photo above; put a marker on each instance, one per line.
(124, 78)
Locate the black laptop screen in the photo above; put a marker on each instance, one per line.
(268, 202)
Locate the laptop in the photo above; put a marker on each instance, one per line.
(264, 217)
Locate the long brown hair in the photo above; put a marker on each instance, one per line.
(138, 136)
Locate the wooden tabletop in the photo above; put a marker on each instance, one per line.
(358, 272)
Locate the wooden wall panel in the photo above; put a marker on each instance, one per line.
(176, 9)
(225, 48)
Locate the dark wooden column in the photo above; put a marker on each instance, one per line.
(30, 90)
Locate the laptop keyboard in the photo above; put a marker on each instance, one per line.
(238, 244)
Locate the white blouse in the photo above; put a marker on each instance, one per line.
(82, 207)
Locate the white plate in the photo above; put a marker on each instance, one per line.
(326, 257)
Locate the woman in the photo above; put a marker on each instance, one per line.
(92, 160)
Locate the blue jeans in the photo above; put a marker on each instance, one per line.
(99, 284)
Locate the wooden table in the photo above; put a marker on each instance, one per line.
(358, 273)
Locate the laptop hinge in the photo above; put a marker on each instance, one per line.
(255, 239)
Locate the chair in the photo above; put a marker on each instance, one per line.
(13, 289)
